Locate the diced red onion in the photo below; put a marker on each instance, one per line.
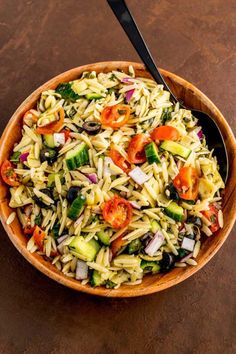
(155, 244)
(138, 175)
(129, 94)
(126, 80)
(62, 238)
(185, 258)
(81, 270)
(23, 157)
(200, 134)
(92, 177)
(188, 244)
(59, 139)
(28, 210)
(79, 220)
(135, 205)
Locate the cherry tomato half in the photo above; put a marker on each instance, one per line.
(8, 174)
(28, 229)
(117, 212)
(115, 116)
(119, 160)
(136, 151)
(117, 244)
(39, 236)
(165, 132)
(30, 117)
(212, 216)
(53, 127)
(66, 133)
(186, 183)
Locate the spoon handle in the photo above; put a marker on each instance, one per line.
(128, 24)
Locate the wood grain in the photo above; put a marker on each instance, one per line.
(151, 283)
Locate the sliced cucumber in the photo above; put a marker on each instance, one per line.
(150, 266)
(104, 237)
(15, 157)
(96, 279)
(49, 140)
(134, 246)
(155, 226)
(151, 153)
(51, 178)
(84, 250)
(76, 207)
(175, 148)
(93, 96)
(77, 157)
(174, 211)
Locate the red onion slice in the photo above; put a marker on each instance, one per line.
(92, 177)
(129, 94)
(135, 205)
(188, 244)
(155, 244)
(126, 80)
(79, 220)
(62, 238)
(138, 175)
(23, 157)
(81, 270)
(185, 258)
(200, 134)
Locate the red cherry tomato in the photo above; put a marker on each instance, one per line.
(8, 174)
(39, 236)
(30, 117)
(136, 151)
(115, 116)
(212, 216)
(186, 183)
(165, 132)
(117, 212)
(53, 127)
(117, 244)
(119, 160)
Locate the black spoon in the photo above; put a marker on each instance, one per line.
(210, 128)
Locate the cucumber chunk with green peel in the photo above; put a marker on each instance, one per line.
(84, 250)
(175, 148)
(104, 237)
(49, 140)
(155, 226)
(174, 211)
(96, 279)
(76, 207)
(150, 266)
(151, 153)
(51, 178)
(134, 246)
(93, 96)
(77, 157)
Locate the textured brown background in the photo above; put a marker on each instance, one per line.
(39, 39)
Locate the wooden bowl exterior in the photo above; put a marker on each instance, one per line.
(151, 283)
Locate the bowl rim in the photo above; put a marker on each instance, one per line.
(51, 271)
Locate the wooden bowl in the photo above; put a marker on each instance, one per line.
(151, 283)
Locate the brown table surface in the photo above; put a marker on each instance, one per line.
(196, 40)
